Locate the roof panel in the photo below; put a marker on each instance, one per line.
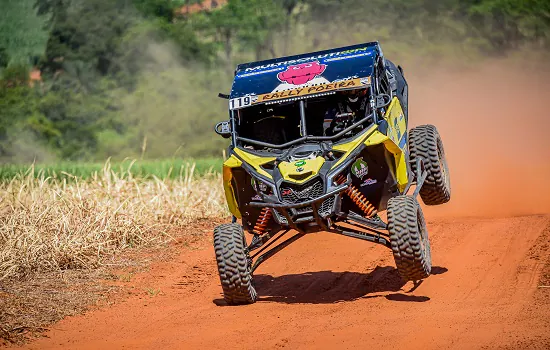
(317, 69)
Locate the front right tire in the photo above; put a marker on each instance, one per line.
(234, 265)
(409, 238)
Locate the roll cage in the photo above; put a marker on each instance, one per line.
(381, 94)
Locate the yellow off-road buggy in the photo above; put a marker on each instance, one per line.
(319, 142)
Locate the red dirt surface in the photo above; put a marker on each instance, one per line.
(328, 291)
(490, 250)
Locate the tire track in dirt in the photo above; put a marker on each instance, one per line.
(328, 291)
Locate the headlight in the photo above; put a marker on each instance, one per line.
(262, 187)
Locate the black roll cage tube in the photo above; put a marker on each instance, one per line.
(303, 130)
(375, 87)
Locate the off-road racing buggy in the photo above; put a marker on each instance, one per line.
(319, 142)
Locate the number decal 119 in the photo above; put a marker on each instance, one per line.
(240, 102)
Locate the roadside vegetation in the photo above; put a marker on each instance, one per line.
(141, 169)
(139, 78)
(54, 224)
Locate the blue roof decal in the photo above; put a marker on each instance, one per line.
(311, 69)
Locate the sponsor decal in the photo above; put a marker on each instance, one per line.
(303, 194)
(369, 182)
(360, 168)
(309, 89)
(257, 198)
(301, 73)
(300, 169)
(243, 101)
(244, 75)
(346, 78)
(305, 59)
(300, 163)
(348, 57)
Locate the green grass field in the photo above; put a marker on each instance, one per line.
(162, 169)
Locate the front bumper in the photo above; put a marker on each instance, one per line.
(315, 210)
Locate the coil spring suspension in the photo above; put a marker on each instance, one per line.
(261, 224)
(357, 197)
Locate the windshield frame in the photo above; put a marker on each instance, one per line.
(303, 128)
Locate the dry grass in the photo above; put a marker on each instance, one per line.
(52, 225)
(58, 238)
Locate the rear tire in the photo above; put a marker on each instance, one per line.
(425, 143)
(233, 265)
(409, 238)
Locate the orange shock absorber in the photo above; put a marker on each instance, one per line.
(261, 224)
(357, 197)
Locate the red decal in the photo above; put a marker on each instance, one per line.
(301, 73)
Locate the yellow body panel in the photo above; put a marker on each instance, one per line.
(309, 168)
(377, 138)
(401, 173)
(232, 162)
(397, 143)
(397, 124)
(255, 161)
(348, 147)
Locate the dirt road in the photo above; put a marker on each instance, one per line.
(333, 292)
(328, 291)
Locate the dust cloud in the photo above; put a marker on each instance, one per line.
(495, 125)
(172, 110)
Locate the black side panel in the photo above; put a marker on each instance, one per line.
(375, 182)
(244, 193)
(402, 87)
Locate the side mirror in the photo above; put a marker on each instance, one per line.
(224, 96)
(223, 129)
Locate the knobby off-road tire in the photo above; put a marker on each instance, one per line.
(233, 265)
(425, 142)
(409, 238)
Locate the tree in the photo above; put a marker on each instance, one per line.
(22, 32)
(509, 23)
(242, 24)
(4, 58)
(162, 9)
